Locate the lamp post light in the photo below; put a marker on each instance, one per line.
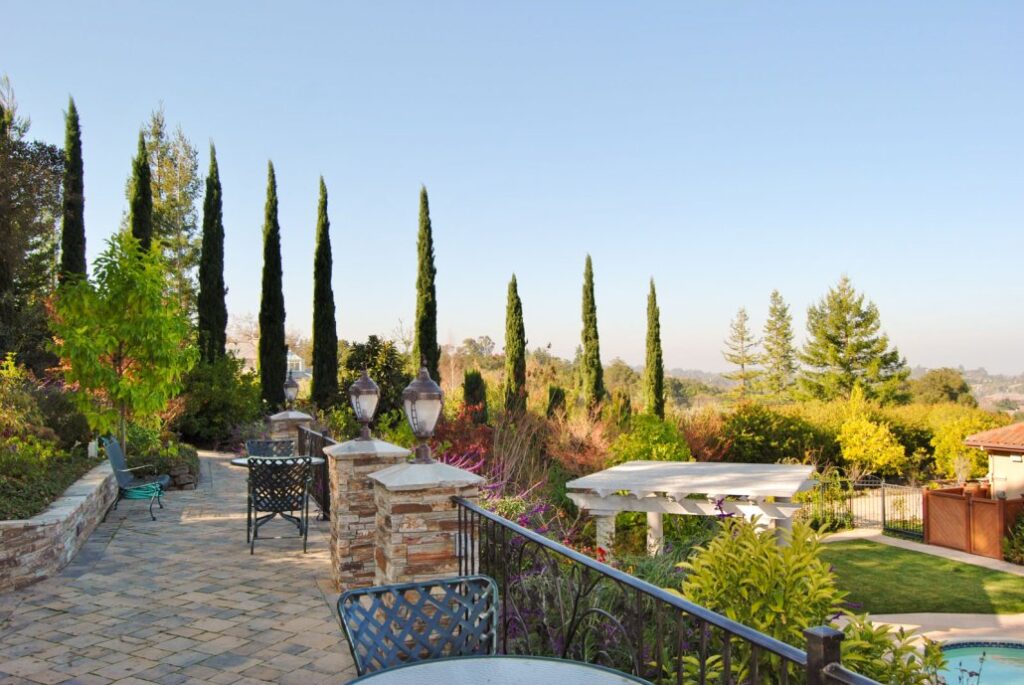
(291, 389)
(423, 401)
(364, 395)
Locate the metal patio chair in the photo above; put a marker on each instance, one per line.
(128, 485)
(270, 448)
(390, 625)
(277, 486)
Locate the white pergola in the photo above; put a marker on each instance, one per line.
(693, 488)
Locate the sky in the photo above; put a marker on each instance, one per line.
(723, 149)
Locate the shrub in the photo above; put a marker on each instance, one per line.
(218, 397)
(474, 395)
(579, 442)
(147, 447)
(33, 474)
(1013, 543)
(952, 457)
(62, 416)
(887, 655)
(19, 411)
(649, 438)
(759, 435)
(704, 432)
(870, 447)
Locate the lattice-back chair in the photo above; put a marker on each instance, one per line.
(277, 486)
(270, 448)
(390, 625)
(129, 486)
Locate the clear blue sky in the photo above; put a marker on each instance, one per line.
(723, 148)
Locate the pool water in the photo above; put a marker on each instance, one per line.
(1004, 663)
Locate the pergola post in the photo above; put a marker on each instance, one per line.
(655, 532)
(604, 521)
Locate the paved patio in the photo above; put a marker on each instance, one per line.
(180, 600)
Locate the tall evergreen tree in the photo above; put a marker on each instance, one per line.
(273, 350)
(844, 348)
(654, 369)
(72, 240)
(591, 373)
(140, 197)
(212, 310)
(778, 354)
(741, 350)
(425, 347)
(515, 352)
(324, 391)
(474, 395)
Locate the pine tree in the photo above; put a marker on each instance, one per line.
(140, 197)
(474, 395)
(324, 391)
(741, 350)
(515, 352)
(72, 241)
(273, 350)
(212, 310)
(425, 347)
(654, 369)
(591, 373)
(779, 356)
(844, 348)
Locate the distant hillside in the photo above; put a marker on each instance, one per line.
(714, 380)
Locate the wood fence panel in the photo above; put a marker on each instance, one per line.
(987, 528)
(948, 522)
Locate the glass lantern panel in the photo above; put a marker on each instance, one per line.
(364, 406)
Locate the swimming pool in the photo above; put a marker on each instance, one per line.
(1003, 665)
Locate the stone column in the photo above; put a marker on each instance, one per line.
(284, 425)
(417, 523)
(353, 511)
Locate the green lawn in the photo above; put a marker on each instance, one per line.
(889, 580)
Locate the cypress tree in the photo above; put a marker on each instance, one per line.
(273, 350)
(212, 310)
(140, 197)
(474, 395)
(324, 391)
(654, 369)
(72, 239)
(591, 373)
(425, 347)
(515, 352)
(556, 401)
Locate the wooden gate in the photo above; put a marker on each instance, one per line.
(968, 520)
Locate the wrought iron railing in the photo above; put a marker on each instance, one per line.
(558, 602)
(870, 503)
(312, 443)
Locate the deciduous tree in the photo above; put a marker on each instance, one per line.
(211, 308)
(72, 242)
(515, 351)
(942, 385)
(273, 352)
(324, 392)
(425, 347)
(591, 373)
(122, 339)
(844, 348)
(654, 368)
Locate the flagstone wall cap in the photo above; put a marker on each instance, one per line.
(291, 415)
(364, 448)
(425, 476)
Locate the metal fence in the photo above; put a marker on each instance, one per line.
(558, 602)
(312, 443)
(869, 503)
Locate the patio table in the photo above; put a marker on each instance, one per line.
(244, 461)
(498, 670)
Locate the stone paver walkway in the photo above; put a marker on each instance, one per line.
(180, 600)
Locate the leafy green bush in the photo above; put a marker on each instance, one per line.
(19, 411)
(62, 416)
(33, 473)
(147, 446)
(888, 655)
(1013, 543)
(759, 435)
(218, 398)
(649, 438)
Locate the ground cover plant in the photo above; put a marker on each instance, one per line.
(884, 579)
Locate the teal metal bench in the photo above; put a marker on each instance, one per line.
(128, 485)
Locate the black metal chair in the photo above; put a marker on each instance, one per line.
(277, 486)
(270, 448)
(390, 625)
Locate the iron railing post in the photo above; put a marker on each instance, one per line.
(883, 505)
(823, 648)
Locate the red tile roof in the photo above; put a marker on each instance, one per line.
(1005, 439)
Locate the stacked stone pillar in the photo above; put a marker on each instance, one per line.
(353, 510)
(417, 523)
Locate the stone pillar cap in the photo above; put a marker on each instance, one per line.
(291, 415)
(425, 477)
(366, 448)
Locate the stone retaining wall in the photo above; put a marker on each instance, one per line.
(36, 548)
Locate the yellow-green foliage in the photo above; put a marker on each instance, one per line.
(952, 456)
(649, 438)
(887, 655)
(866, 443)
